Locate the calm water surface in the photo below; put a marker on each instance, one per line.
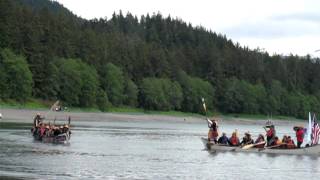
(142, 150)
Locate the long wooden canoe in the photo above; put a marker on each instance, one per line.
(312, 151)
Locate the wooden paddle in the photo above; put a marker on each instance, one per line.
(272, 147)
(253, 145)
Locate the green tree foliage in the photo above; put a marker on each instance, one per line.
(16, 78)
(231, 78)
(131, 93)
(193, 90)
(160, 94)
(102, 100)
(78, 83)
(112, 81)
(241, 96)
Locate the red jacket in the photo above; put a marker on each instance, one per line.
(300, 135)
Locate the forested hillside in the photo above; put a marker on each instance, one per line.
(153, 62)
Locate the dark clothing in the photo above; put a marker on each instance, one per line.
(212, 125)
(246, 140)
(299, 144)
(37, 120)
(223, 140)
(271, 133)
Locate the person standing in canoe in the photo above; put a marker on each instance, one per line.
(213, 130)
(299, 135)
(37, 119)
(271, 133)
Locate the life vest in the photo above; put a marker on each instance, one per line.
(290, 144)
(278, 142)
(234, 141)
(270, 133)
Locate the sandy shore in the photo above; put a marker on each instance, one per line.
(26, 116)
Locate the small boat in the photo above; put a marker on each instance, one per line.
(311, 151)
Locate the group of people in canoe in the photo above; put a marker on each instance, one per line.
(40, 129)
(272, 140)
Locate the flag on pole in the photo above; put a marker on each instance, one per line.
(315, 132)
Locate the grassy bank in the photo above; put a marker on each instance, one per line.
(31, 104)
(259, 117)
(35, 104)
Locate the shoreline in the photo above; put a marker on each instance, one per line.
(27, 115)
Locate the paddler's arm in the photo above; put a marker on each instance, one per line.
(209, 122)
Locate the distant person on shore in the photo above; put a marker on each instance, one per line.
(299, 134)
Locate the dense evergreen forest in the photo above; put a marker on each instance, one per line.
(151, 62)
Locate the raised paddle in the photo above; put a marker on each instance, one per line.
(204, 107)
(253, 145)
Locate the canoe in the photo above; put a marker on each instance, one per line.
(60, 139)
(311, 151)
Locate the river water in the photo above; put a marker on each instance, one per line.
(142, 150)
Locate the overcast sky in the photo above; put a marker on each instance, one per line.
(277, 26)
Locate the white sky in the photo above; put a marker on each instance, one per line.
(277, 26)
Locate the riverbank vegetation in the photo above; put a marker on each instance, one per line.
(151, 63)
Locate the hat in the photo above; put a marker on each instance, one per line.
(296, 128)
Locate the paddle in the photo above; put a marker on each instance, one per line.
(271, 147)
(204, 107)
(253, 145)
(51, 108)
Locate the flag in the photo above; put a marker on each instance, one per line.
(315, 132)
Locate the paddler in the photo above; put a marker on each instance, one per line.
(234, 140)
(223, 139)
(271, 133)
(299, 134)
(246, 139)
(213, 130)
(290, 143)
(37, 119)
(260, 139)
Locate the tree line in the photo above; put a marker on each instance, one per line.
(152, 62)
